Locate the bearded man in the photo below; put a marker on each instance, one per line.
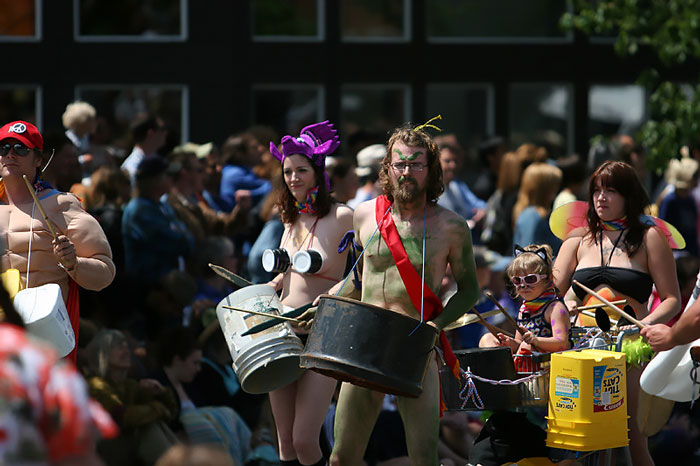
(432, 237)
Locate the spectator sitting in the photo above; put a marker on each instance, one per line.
(180, 359)
(141, 408)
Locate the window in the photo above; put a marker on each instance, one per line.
(495, 20)
(616, 109)
(542, 114)
(375, 20)
(20, 103)
(287, 109)
(120, 105)
(467, 110)
(372, 109)
(288, 20)
(20, 20)
(130, 20)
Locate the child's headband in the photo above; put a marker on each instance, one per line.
(540, 252)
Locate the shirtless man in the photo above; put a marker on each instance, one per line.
(411, 181)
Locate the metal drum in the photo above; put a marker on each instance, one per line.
(488, 363)
(267, 360)
(369, 346)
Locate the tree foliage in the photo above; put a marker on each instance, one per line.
(671, 30)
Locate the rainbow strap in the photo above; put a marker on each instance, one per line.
(572, 215)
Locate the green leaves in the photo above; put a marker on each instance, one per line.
(670, 29)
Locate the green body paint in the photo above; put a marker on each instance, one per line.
(410, 157)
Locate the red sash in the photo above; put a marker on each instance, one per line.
(73, 308)
(432, 306)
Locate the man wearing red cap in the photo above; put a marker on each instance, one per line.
(72, 250)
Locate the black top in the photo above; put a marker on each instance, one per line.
(629, 282)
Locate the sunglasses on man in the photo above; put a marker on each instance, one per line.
(19, 149)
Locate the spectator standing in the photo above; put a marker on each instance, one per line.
(149, 135)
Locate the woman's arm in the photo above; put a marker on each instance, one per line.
(662, 268)
(564, 268)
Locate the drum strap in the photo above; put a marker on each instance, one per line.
(421, 296)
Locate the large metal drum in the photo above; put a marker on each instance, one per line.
(267, 360)
(369, 346)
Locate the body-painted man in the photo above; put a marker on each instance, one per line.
(411, 180)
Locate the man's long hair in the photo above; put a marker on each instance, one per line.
(406, 134)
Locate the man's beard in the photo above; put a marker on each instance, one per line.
(407, 190)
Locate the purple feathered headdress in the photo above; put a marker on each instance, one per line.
(315, 142)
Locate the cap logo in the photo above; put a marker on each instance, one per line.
(18, 128)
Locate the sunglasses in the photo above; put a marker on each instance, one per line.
(20, 149)
(528, 279)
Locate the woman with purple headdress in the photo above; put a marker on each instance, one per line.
(315, 224)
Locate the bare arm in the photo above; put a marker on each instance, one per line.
(662, 268)
(564, 268)
(559, 340)
(662, 337)
(461, 260)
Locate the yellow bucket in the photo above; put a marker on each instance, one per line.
(12, 282)
(587, 400)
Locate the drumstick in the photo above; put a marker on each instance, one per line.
(41, 208)
(595, 306)
(266, 314)
(491, 328)
(509, 318)
(614, 308)
(230, 276)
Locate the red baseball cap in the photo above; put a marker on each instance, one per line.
(26, 133)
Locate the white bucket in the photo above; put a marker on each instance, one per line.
(267, 360)
(668, 375)
(45, 315)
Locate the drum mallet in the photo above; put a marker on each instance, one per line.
(509, 317)
(491, 328)
(230, 276)
(266, 314)
(614, 308)
(41, 208)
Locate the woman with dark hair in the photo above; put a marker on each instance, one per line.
(620, 257)
(312, 221)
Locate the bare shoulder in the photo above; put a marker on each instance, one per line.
(342, 212)
(450, 221)
(654, 239)
(579, 232)
(365, 209)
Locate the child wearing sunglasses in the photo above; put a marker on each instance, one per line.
(543, 318)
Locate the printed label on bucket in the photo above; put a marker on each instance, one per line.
(566, 386)
(607, 392)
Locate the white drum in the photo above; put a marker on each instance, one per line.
(267, 360)
(45, 315)
(668, 375)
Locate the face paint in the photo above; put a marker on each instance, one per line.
(410, 157)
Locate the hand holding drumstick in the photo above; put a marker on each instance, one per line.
(63, 247)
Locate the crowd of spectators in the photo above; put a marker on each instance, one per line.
(149, 345)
